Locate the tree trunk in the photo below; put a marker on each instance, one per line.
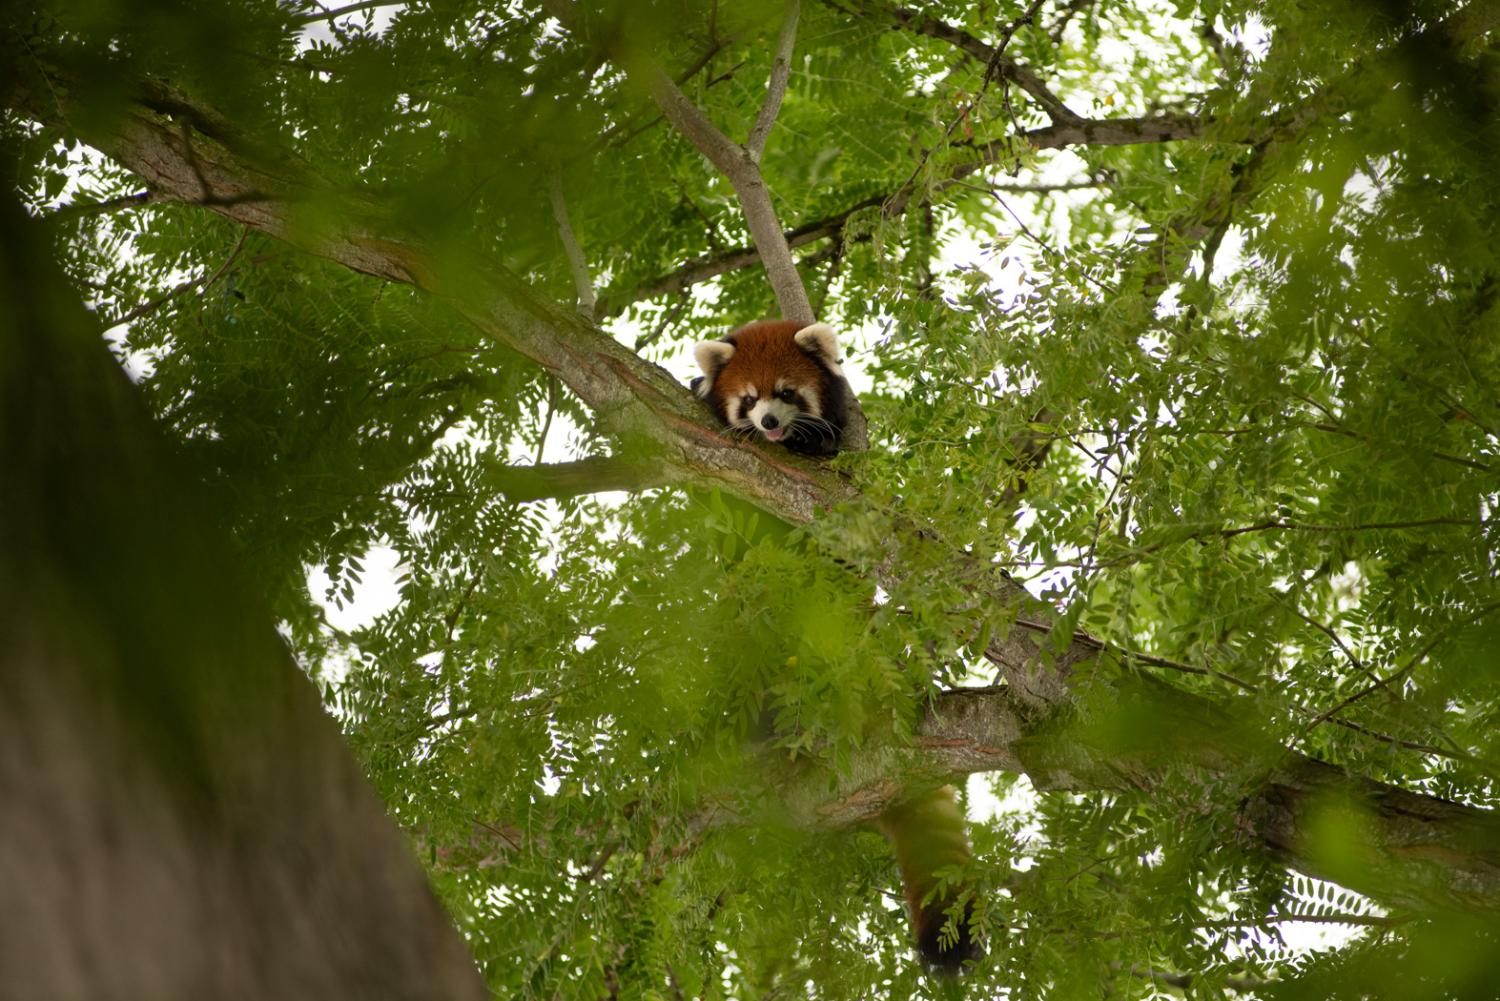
(180, 818)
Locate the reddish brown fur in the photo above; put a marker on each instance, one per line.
(763, 353)
(928, 833)
(797, 386)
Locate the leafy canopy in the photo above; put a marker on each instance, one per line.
(1260, 353)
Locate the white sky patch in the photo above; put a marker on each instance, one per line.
(1308, 936)
(376, 593)
(371, 21)
(1320, 934)
(1019, 800)
(1254, 36)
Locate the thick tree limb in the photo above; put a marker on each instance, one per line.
(633, 397)
(1402, 848)
(275, 194)
(1409, 849)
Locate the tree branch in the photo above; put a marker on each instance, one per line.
(739, 164)
(1102, 132)
(207, 281)
(1005, 67)
(736, 164)
(577, 263)
(781, 70)
(632, 397)
(725, 154)
(1105, 132)
(74, 210)
(705, 268)
(1184, 981)
(1412, 850)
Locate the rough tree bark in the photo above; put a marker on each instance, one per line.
(181, 819)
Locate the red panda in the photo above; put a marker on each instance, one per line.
(928, 835)
(782, 380)
(778, 379)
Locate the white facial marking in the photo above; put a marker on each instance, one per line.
(820, 340)
(779, 412)
(711, 357)
(810, 398)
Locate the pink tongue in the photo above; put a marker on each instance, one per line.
(774, 434)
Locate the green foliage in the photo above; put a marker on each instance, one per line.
(1266, 362)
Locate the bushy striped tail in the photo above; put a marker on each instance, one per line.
(928, 834)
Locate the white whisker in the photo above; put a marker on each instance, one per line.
(814, 423)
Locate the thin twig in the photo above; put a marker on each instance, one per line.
(1103, 132)
(1338, 641)
(1268, 526)
(207, 282)
(1371, 526)
(996, 59)
(669, 316)
(1131, 656)
(1172, 665)
(582, 282)
(353, 8)
(1406, 669)
(621, 134)
(1409, 745)
(72, 211)
(992, 56)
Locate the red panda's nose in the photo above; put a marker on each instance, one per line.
(768, 422)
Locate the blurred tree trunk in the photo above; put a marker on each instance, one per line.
(180, 819)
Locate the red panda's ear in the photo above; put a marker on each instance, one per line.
(822, 343)
(711, 356)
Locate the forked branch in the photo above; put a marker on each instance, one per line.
(740, 164)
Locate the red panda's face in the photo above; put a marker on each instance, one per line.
(778, 380)
(770, 409)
